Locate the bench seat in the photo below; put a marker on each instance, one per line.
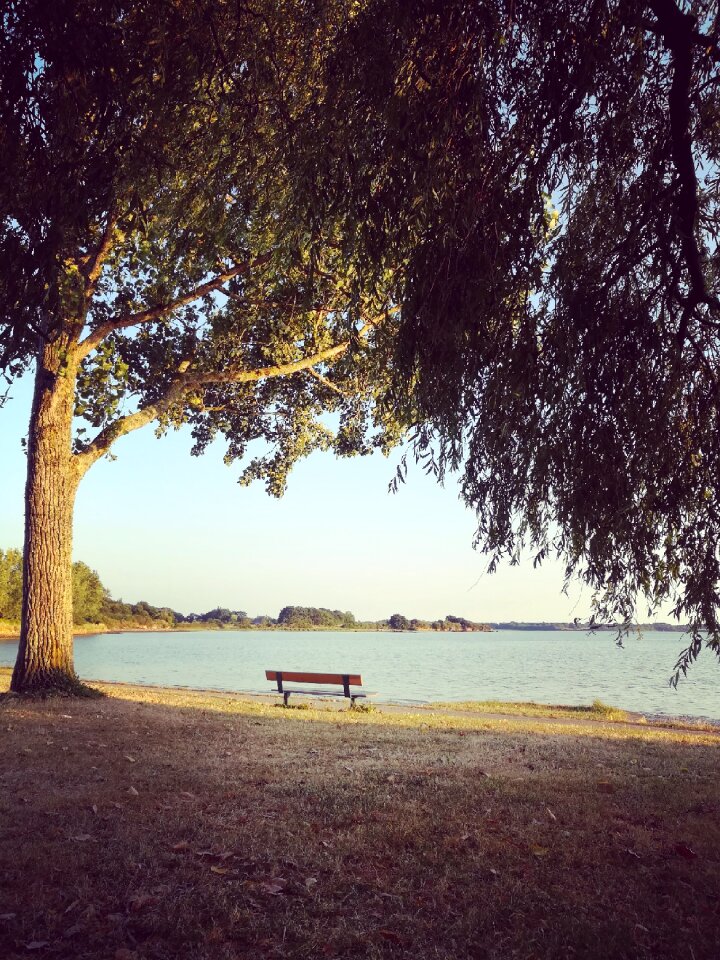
(322, 693)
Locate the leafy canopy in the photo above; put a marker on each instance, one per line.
(148, 222)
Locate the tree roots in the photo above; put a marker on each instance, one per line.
(53, 683)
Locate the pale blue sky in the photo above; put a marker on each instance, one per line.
(160, 525)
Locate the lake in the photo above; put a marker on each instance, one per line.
(546, 666)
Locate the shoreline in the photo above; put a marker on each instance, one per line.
(525, 714)
(552, 713)
(101, 630)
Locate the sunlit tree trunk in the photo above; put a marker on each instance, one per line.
(45, 656)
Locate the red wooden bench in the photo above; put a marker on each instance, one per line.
(345, 680)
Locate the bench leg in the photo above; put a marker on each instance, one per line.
(286, 697)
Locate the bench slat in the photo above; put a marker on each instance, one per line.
(320, 693)
(293, 677)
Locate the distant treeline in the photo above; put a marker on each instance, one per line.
(321, 618)
(89, 595)
(92, 604)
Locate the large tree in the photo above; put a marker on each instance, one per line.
(548, 175)
(154, 267)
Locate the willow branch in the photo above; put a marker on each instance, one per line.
(678, 30)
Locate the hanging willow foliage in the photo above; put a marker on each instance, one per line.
(546, 176)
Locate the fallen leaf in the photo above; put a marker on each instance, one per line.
(7, 916)
(132, 792)
(140, 901)
(221, 870)
(552, 815)
(274, 887)
(72, 906)
(311, 881)
(130, 759)
(73, 931)
(684, 851)
(94, 809)
(37, 944)
(81, 837)
(391, 936)
(539, 851)
(181, 845)
(633, 854)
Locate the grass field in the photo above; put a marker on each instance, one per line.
(163, 824)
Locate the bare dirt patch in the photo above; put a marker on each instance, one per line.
(164, 824)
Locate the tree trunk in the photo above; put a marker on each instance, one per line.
(45, 656)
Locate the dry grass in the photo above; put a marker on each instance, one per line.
(164, 824)
(597, 710)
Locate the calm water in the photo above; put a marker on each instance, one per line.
(547, 667)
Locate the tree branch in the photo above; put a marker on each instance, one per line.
(94, 262)
(325, 382)
(201, 378)
(124, 425)
(187, 380)
(96, 336)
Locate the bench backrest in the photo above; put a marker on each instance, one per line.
(346, 680)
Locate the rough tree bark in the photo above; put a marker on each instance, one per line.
(45, 655)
